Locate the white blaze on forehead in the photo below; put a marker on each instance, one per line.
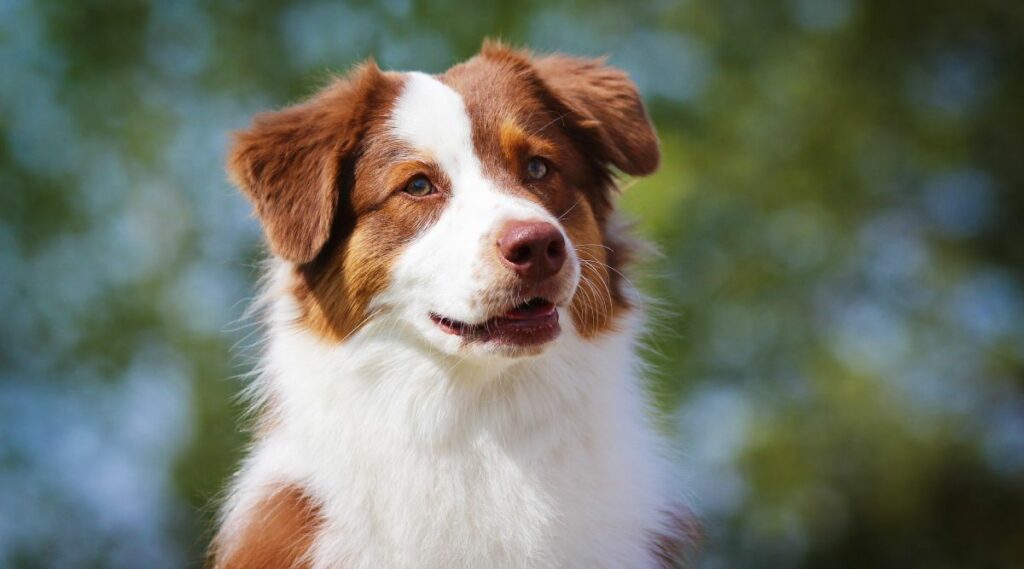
(432, 117)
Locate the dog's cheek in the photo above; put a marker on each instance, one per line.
(594, 306)
(338, 297)
(431, 272)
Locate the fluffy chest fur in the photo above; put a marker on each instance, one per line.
(450, 378)
(547, 463)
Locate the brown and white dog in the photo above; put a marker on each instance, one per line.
(450, 379)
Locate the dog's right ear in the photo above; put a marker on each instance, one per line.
(288, 162)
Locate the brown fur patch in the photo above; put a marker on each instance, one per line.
(278, 534)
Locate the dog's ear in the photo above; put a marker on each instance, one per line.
(607, 105)
(288, 162)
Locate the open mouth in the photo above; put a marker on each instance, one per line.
(529, 324)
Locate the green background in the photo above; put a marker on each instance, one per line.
(837, 319)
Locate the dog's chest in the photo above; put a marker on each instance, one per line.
(483, 506)
(559, 470)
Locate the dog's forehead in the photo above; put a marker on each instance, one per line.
(462, 110)
(489, 85)
(432, 118)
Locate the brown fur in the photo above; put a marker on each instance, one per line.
(606, 101)
(281, 531)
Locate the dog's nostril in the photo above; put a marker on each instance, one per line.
(521, 254)
(556, 249)
(535, 250)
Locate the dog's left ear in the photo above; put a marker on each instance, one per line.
(607, 104)
(288, 163)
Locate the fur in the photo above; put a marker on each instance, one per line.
(385, 441)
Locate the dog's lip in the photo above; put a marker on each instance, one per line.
(530, 323)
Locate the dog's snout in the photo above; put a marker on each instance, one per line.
(535, 250)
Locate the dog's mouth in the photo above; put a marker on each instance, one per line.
(531, 323)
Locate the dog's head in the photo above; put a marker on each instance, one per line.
(473, 207)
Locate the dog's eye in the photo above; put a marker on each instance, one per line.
(536, 168)
(419, 187)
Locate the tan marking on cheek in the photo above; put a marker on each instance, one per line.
(336, 299)
(336, 296)
(280, 532)
(595, 303)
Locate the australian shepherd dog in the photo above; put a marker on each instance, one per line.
(450, 378)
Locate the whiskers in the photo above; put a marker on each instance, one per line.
(592, 260)
(568, 211)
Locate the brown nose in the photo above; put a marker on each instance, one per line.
(535, 250)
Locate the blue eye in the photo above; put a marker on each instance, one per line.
(536, 168)
(419, 187)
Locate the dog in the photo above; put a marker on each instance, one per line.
(450, 378)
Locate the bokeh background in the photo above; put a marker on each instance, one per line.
(838, 347)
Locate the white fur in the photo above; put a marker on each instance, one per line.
(425, 455)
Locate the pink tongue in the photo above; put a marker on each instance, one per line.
(539, 310)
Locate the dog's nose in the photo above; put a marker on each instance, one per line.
(535, 250)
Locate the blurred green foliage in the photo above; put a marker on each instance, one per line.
(837, 312)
